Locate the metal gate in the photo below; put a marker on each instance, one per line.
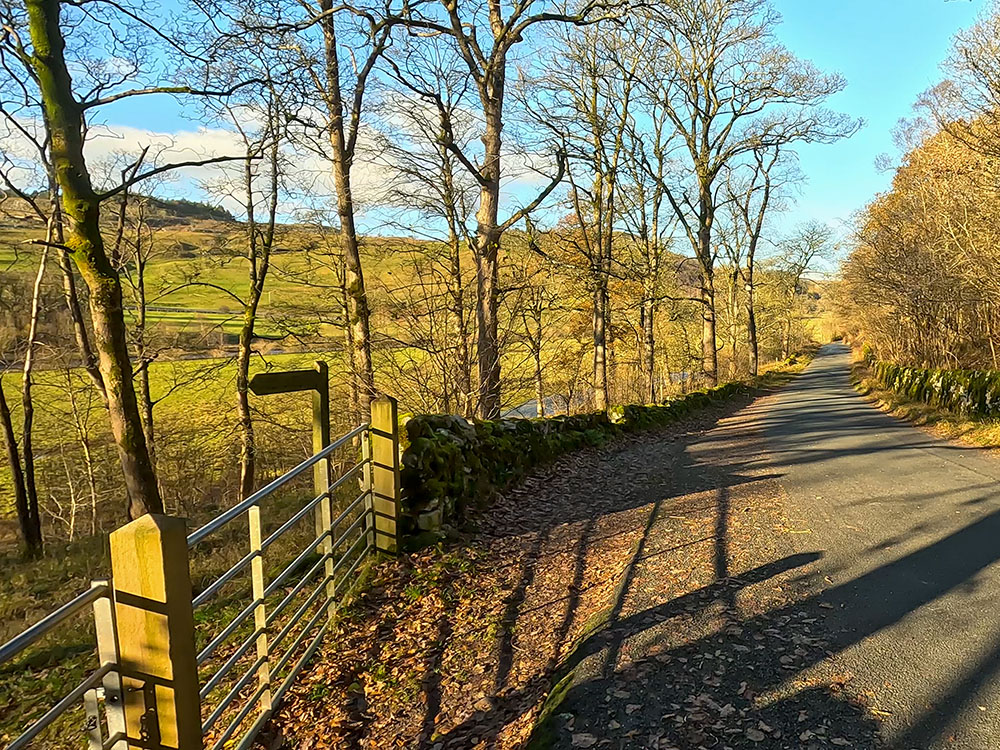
(182, 671)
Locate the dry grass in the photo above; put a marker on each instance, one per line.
(942, 423)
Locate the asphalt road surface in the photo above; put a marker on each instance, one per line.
(908, 527)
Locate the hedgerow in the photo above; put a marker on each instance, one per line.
(974, 393)
(450, 464)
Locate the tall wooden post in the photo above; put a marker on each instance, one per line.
(321, 473)
(385, 472)
(155, 620)
(316, 380)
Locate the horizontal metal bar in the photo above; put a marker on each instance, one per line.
(350, 571)
(228, 631)
(347, 532)
(113, 740)
(251, 702)
(238, 620)
(225, 578)
(299, 515)
(303, 608)
(225, 517)
(216, 678)
(280, 578)
(22, 640)
(248, 738)
(232, 694)
(271, 616)
(287, 682)
(349, 474)
(280, 664)
(302, 513)
(349, 509)
(74, 696)
(312, 504)
(275, 611)
(273, 644)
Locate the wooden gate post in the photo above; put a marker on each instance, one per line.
(385, 473)
(155, 620)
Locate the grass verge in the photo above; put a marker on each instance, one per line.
(942, 423)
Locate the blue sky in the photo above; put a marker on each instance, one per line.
(889, 51)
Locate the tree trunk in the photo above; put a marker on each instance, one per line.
(81, 209)
(248, 445)
(31, 530)
(488, 245)
(359, 416)
(539, 385)
(145, 392)
(87, 358)
(734, 327)
(88, 458)
(754, 356)
(488, 303)
(358, 311)
(461, 364)
(709, 357)
(258, 256)
(28, 406)
(600, 346)
(649, 347)
(359, 314)
(786, 333)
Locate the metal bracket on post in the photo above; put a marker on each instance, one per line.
(108, 654)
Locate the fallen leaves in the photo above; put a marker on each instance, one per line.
(457, 649)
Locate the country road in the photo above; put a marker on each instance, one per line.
(812, 573)
(909, 531)
(786, 570)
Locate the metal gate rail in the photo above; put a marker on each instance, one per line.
(152, 688)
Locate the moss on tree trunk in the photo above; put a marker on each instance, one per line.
(81, 210)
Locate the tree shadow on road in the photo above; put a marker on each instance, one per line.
(747, 684)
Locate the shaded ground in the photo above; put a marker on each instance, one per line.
(725, 657)
(799, 572)
(910, 525)
(661, 567)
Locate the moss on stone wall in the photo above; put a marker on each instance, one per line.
(973, 393)
(451, 464)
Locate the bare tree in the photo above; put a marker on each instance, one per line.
(429, 184)
(261, 189)
(484, 36)
(728, 87)
(798, 253)
(754, 189)
(332, 52)
(65, 105)
(650, 222)
(583, 98)
(22, 467)
(967, 103)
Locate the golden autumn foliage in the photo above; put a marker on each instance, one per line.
(923, 282)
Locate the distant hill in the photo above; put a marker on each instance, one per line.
(181, 210)
(162, 211)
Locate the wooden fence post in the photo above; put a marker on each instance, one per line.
(155, 620)
(385, 472)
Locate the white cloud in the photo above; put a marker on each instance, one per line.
(109, 147)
